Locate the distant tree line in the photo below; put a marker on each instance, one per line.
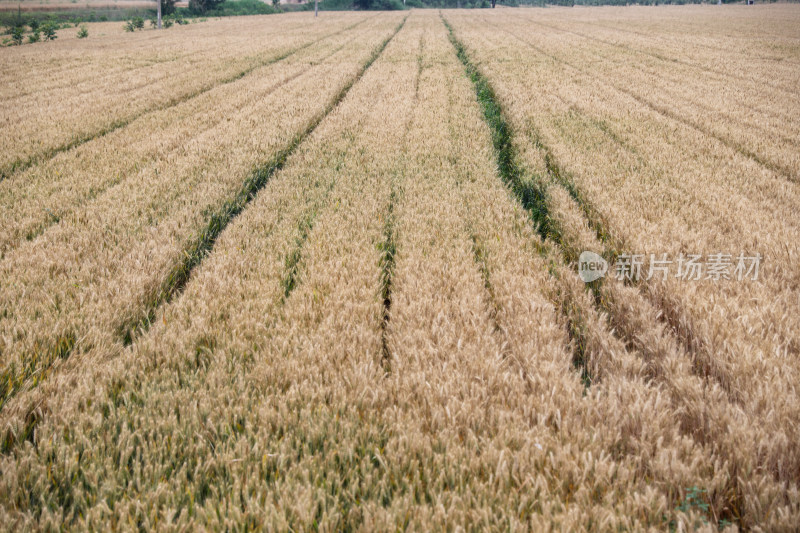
(398, 4)
(645, 2)
(224, 8)
(202, 6)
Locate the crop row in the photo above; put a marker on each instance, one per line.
(232, 375)
(592, 168)
(348, 299)
(125, 239)
(76, 93)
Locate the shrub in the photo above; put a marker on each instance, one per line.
(136, 23)
(201, 6)
(387, 5)
(17, 33)
(168, 22)
(49, 31)
(34, 24)
(83, 32)
(34, 37)
(383, 5)
(167, 7)
(243, 7)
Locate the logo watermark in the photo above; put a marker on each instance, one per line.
(685, 267)
(591, 266)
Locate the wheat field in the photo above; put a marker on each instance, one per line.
(287, 273)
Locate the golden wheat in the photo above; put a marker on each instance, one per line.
(301, 212)
(91, 276)
(390, 334)
(608, 146)
(39, 197)
(67, 92)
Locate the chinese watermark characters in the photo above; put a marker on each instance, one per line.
(685, 267)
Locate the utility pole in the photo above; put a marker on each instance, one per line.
(159, 14)
(316, 7)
